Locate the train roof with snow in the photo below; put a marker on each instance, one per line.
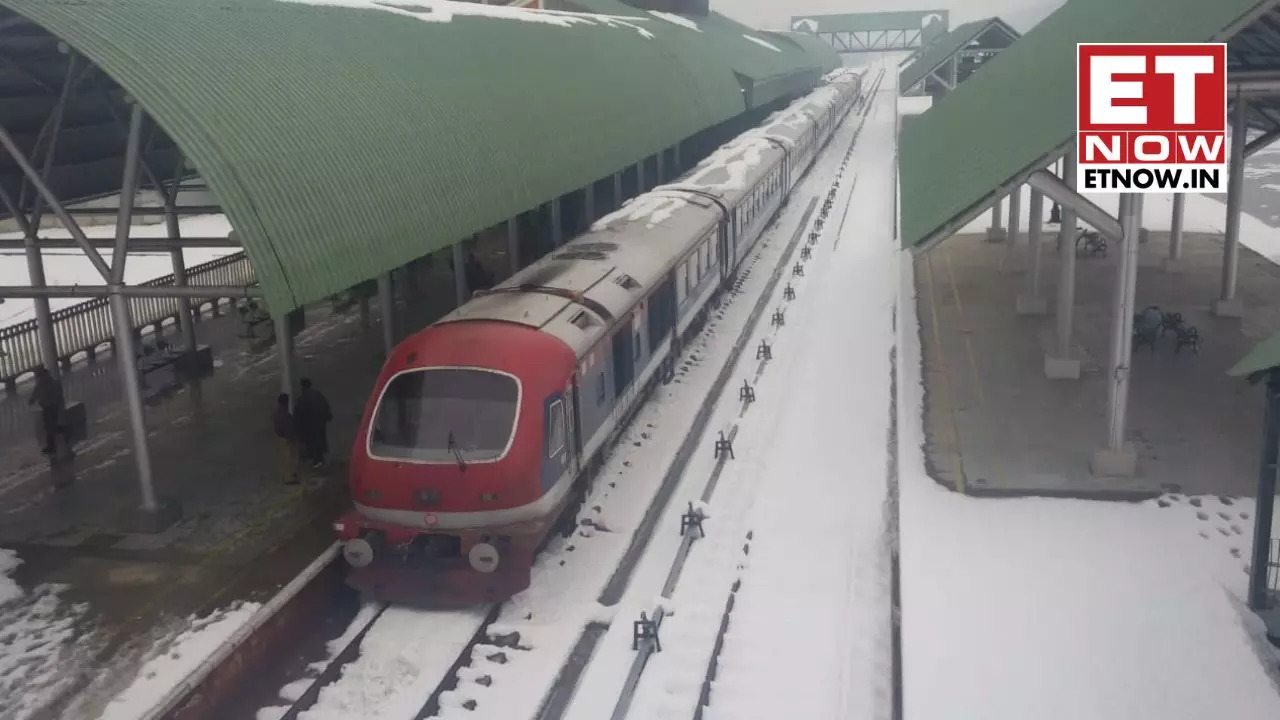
(581, 289)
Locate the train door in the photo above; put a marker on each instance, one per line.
(575, 424)
(623, 357)
(726, 254)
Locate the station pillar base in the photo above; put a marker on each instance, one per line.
(1171, 265)
(1032, 305)
(1115, 463)
(997, 234)
(1228, 308)
(1058, 368)
(152, 522)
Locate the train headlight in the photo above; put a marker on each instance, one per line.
(483, 557)
(357, 552)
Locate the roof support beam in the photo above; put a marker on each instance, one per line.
(136, 244)
(162, 291)
(146, 211)
(6, 140)
(946, 82)
(128, 190)
(1261, 141)
(1053, 186)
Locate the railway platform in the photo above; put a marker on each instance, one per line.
(996, 425)
(243, 533)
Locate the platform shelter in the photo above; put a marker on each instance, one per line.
(1009, 124)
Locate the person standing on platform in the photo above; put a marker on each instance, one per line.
(47, 393)
(287, 437)
(312, 415)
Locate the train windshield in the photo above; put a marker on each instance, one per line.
(453, 415)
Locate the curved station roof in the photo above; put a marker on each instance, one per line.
(344, 138)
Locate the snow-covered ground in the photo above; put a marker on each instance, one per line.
(68, 266)
(1200, 214)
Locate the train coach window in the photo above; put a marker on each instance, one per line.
(555, 428)
(600, 389)
(445, 415)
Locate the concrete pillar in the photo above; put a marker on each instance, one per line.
(1228, 305)
(1015, 227)
(387, 309)
(460, 290)
(285, 353)
(1032, 302)
(589, 205)
(513, 243)
(996, 233)
(1175, 231)
(1119, 458)
(1059, 364)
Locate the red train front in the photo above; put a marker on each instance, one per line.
(461, 464)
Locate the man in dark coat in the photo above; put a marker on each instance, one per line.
(311, 415)
(47, 393)
(287, 435)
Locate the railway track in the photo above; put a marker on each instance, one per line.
(466, 659)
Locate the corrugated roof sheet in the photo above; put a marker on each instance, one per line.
(1020, 110)
(346, 141)
(937, 53)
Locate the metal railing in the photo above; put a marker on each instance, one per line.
(85, 327)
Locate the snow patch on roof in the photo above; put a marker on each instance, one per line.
(443, 11)
(728, 167)
(914, 105)
(677, 19)
(652, 207)
(758, 41)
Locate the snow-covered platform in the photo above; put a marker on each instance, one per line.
(996, 424)
(96, 601)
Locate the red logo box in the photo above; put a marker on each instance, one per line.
(1152, 107)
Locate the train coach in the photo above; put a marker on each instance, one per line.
(484, 429)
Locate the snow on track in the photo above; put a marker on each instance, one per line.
(809, 633)
(561, 601)
(672, 679)
(402, 659)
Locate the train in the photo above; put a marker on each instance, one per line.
(483, 431)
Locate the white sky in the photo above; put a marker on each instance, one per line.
(774, 14)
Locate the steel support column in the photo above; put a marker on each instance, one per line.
(1265, 509)
(589, 205)
(460, 290)
(640, 177)
(513, 243)
(675, 158)
(1060, 365)
(617, 189)
(35, 272)
(122, 320)
(1175, 229)
(387, 310)
(662, 166)
(1227, 304)
(1032, 303)
(186, 323)
(1015, 226)
(557, 226)
(1119, 458)
(285, 353)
